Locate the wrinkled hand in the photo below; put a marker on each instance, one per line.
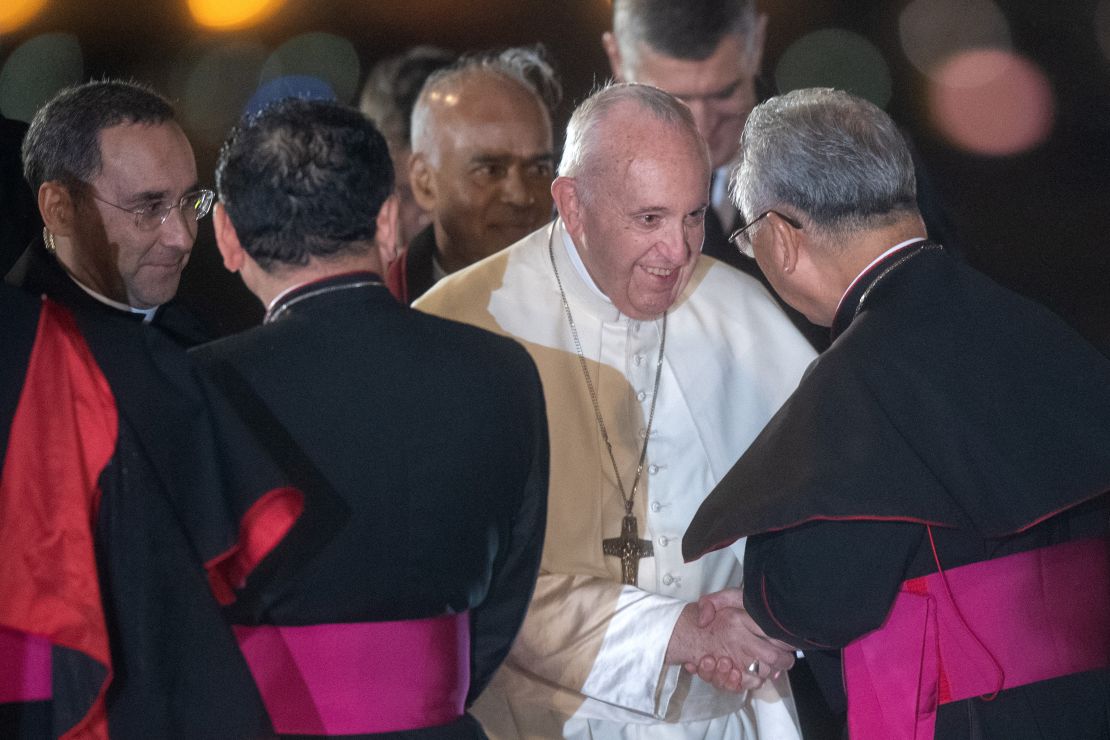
(736, 641)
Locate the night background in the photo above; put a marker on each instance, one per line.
(1007, 102)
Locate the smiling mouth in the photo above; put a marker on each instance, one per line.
(659, 271)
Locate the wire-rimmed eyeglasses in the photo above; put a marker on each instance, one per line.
(194, 206)
(743, 242)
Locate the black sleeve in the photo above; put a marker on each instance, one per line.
(823, 584)
(496, 621)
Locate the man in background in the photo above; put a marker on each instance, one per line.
(420, 444)
(481, 163)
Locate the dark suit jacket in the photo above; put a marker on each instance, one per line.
(37, 271)
(421, 445)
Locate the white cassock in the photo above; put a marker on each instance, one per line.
(588, 662)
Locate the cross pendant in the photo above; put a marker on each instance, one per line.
(629, 549)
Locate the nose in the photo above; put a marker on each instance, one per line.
(514, 189)
(675, 244)
(179, 230)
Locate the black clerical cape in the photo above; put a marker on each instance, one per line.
(421, 445)
(951, 422)
(39, 272)
(115, 494)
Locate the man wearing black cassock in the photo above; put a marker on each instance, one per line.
(113, 499)
(927, 514)
(115, 180)
(420, 443)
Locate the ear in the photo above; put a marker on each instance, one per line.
(613, 51)
(227, 239)
(57, 208)
(564, 191)
(422, 181)
(786, 245)
(385, 231)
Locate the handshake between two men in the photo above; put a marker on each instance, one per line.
(716, 639)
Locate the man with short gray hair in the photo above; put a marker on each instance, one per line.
(659, 366)
(481, 163)
(927, 515)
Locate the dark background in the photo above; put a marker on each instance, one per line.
(1036, 220)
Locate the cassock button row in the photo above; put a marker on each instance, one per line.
(653, 469)
(663, 541)
(655, 505)
(638, 360)
(668, 579)
(641, 396)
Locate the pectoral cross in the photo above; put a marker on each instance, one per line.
(629, 548)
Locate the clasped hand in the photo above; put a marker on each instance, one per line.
(728, 642)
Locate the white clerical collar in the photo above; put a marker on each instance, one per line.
(147, 313)
(580, 267)
(877, 260)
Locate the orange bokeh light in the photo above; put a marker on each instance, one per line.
(992, 102)
(227, 15)
(15, 13)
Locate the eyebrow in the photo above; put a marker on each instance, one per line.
(150, 196)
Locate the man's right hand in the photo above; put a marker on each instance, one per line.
(718, 640)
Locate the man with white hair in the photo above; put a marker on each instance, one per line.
(659, 366)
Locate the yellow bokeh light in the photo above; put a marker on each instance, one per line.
(15, 13)
(228, 15)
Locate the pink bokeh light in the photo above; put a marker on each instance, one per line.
(992, 102)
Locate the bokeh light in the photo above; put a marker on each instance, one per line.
(16, 13)
(1010, 112)
(1102, 26)
(219, 82)
(228, 15)
(932, 31)
(36, 70)
(324, 56)
(835, 58)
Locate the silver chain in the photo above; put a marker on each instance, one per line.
(629, 498)
(277, 311)
(890, 268)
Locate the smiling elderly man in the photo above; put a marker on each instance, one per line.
(116, 183)
(659, 366)
(481, 163)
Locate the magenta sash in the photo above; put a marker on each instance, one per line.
(365, 677)
(997, 624)
(24, 667)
